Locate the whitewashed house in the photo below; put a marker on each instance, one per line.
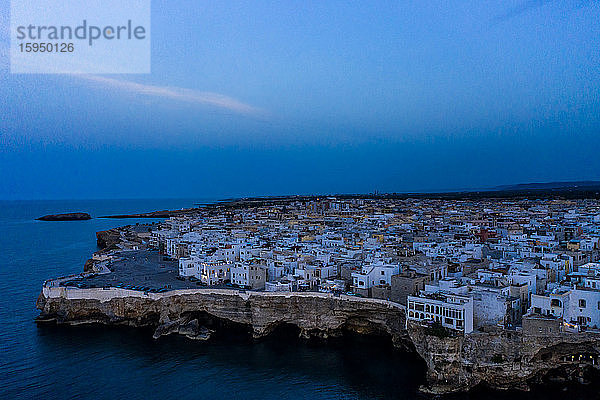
(450, 310)
(374, 275)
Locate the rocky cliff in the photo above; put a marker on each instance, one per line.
(498, 359)
(503, 359)
(109, 238)
(315, 315)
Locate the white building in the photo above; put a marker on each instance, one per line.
(584, 307)
(450, 310)
(554, 304)
(374, 275)
(209, 272)
(189, 266)
(494, 306)
(579, 307)
(278, 286)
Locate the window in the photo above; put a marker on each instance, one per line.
(582, 303)
(382, 272)
(449, 321)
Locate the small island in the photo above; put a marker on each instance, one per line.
(76, 216)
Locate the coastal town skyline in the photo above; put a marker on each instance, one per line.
(501, 292)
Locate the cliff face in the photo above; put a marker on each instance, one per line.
(259, 314)
(504, 359)
(498, 359)
(108, 238)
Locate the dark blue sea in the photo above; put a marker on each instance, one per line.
(57, 362)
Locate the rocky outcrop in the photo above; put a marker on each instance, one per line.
(503, 359)
(109, 238)
(89, 266)
(77, 216)
(497, 359)
(187, 326)
(259, 314)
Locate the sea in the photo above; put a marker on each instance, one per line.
(96, 362)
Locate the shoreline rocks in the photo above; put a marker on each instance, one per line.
(108, 238)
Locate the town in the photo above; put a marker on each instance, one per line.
(462, 264)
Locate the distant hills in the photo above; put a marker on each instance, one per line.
(550, 185)
(567, 190)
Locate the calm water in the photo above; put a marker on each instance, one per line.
(47, 362)
(107, 363)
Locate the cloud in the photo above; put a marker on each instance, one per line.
(180, 94)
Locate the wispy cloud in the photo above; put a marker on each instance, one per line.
(211, 99)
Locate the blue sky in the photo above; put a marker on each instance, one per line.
(265, 97)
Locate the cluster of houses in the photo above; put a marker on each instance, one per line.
(463, 264)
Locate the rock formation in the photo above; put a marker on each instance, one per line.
(498, 359)
(259, 314)
(503, 359)
(77, 216)
(108, 238)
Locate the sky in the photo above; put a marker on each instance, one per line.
(257, 97)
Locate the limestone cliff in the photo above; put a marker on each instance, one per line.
(109, 238)
(260, 313)
(503, 359)
(498, 359)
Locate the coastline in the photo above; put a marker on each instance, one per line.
(454, 364)
(567, 191)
